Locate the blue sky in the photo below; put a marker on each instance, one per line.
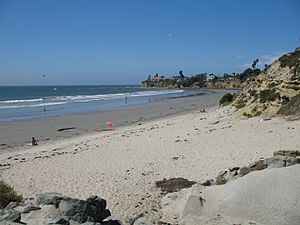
(122, 42)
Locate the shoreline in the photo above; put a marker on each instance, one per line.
(16, 134)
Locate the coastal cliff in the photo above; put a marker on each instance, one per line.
(276, 90)
(193, 82)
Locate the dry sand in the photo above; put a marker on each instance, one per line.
(122, 166)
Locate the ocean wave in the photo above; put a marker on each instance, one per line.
(30, 106)
(86, 98)
(58, 100)
(21, 100)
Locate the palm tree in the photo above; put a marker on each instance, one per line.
(255, 63)
(181, 74)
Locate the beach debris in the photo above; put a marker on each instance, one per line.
(66, 128)
(111, 127)
(213, 123)
(211, 130)
(226, 127)
(264, 119)
(174, 184)
(110, 124)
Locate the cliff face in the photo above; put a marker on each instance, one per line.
(159, 84)
(169, 83)
(273, 91)
(227, 84)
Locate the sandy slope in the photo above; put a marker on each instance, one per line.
(122, 166)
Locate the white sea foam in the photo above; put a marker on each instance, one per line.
(58, 100)
(22, 100)
(87, 98)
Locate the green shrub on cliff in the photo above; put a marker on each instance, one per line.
(226, 99)
(268, 95)
(8, 194)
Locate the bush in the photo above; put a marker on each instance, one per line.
(221, 181)
(226, 99)
(248, 115)
(268, 95)
(8, 194)
(258, 113)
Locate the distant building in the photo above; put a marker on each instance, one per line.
(210, 77)
(156, 78)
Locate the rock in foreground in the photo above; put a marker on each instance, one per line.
(54, 208)
(269, 196)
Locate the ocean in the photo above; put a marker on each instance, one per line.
(26, 102)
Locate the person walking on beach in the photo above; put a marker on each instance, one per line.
(126, 100)
(34, 142)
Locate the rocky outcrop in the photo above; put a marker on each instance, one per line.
(174, 184)
(168, 83)
(270, 195)
(274, 90)
(281, 158)
(54, 208)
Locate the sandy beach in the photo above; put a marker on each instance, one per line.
(122, 166)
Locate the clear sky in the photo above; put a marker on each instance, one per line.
(122, 42)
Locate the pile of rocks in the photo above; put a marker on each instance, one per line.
(54, 208)
(280, 159)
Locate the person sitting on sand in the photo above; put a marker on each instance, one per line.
(34, 141)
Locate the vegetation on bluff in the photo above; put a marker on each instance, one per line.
(7, 195)
(275, 90)
(227, 99)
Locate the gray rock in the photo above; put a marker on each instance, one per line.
(91, 210)
(49, 199)
(276, 162)
(96, 201)
(206, 183)
(30, 208)
(258, 165)
(10, 215)
(287, 153)
(289, 161)
(62, 221)
(12, 205)
(221, 175)
(234, 168)
(142, 221)
(91, 223)
(111, 222)
(244, 170)
(252, 165)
